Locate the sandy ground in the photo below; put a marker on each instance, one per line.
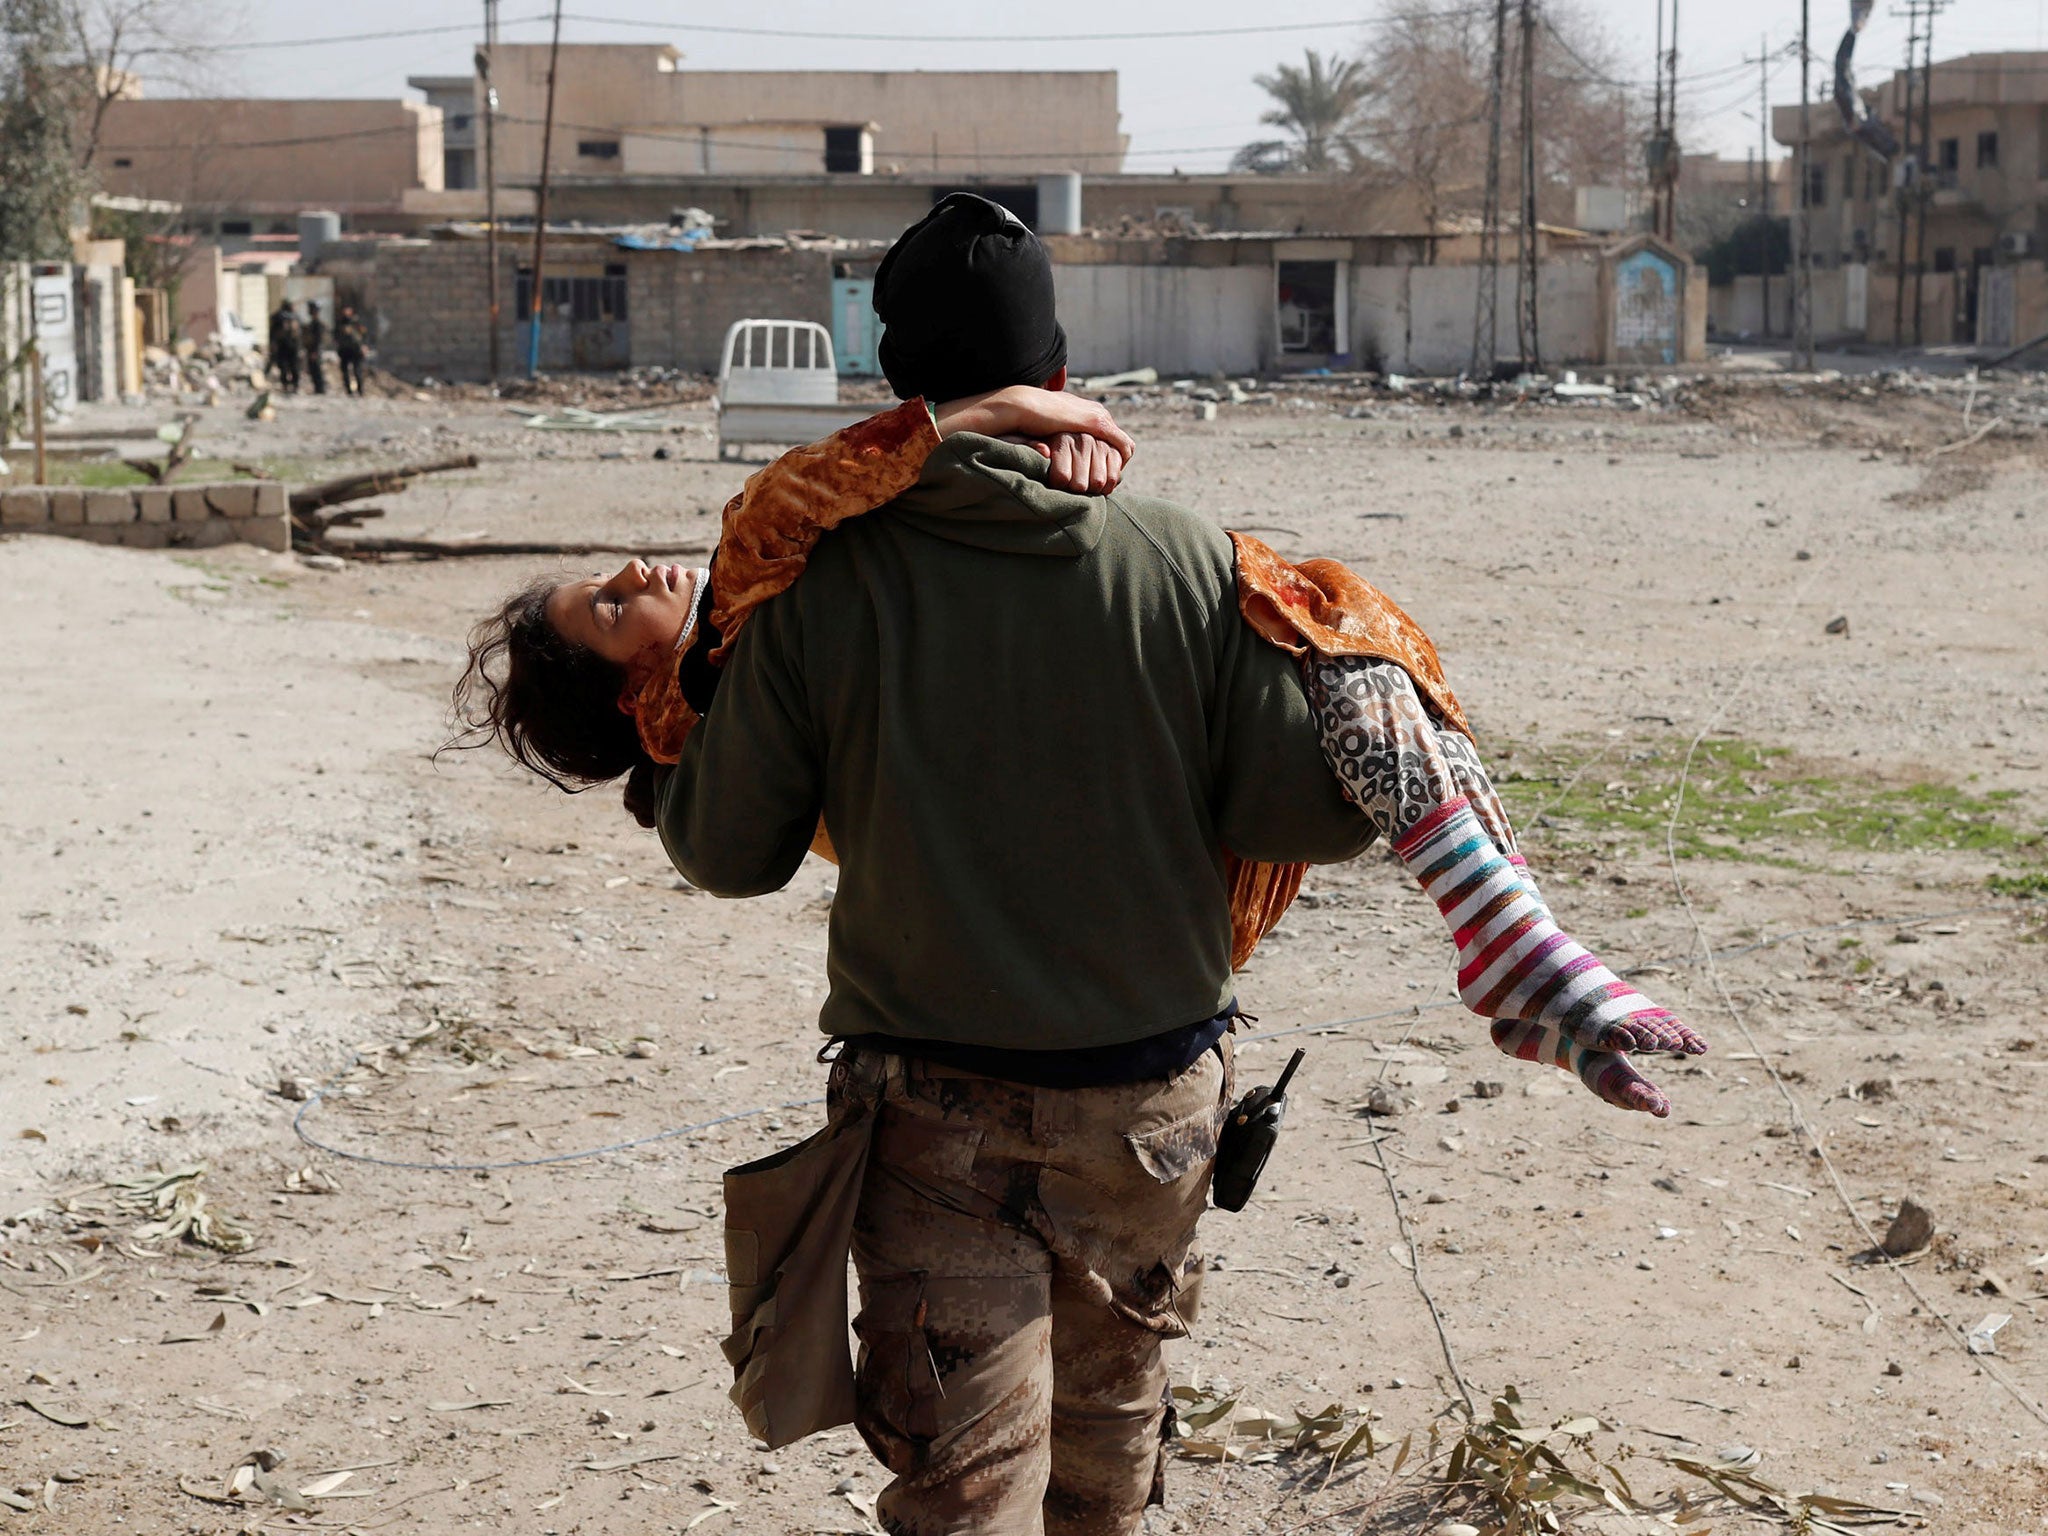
(231, 863)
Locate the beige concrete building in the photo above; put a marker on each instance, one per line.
(629, 109)
(243, 168)
(1986, 173)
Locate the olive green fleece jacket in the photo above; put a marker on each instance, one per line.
(1032, 723)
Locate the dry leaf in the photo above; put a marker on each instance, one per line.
(464, 1407)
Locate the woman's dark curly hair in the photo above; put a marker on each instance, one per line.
(551, 705)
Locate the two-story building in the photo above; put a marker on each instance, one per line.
(1982, 183)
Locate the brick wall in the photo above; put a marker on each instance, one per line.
(154, 516)
(681, 305)
(428, 302)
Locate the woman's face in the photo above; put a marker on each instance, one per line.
(643, 605)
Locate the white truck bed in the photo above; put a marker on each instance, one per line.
(778, 384)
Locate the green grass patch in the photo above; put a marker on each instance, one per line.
(2032, 883)
(114, 475)
(1759, 805)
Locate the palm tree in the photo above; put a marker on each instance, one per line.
(1315, 104)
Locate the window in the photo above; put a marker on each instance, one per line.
(1816, 186)
(844, 151)
(236, 227)
(1951, 154)
(580, 299)
(1944, 258)
(1987, 151)
(122, 162)
(459, 123)
(598, 149)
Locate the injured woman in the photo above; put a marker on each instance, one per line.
(590, 681)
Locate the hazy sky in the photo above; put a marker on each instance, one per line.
(1187, 101)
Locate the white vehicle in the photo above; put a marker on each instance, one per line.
(778, 383)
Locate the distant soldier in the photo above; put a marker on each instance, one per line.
(351, 341)
(284, 348)
(315, 330)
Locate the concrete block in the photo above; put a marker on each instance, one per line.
(153, 503)
(237, 500)
(271, 500)
(102, 507)
(67, 505)
(25, 506)
(264, 532)
(188, 505)
(140, 535)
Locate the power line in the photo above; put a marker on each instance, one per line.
(1015, 37)
(794, 33)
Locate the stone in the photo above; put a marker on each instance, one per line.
(271, 500)
(67, 505)
(188, 505)
(153, 503)
(104, 507)
(25, 506)
(238, 500)
(264, 532)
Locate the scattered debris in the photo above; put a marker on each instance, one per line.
(1982, 1339)
(1910, 1232)
(572, 418)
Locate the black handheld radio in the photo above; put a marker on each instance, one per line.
(1247, 1140)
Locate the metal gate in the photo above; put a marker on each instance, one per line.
(583, 318)
(1996, 301)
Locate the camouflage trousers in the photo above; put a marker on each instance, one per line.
(1022, 1255)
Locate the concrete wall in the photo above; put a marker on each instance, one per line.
(1418, 319)
(1938, 310)
(1737, 308)
(1175, 319)
(154, 517)
(1012, 122)
(271, 157)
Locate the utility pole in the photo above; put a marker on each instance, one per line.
(1908, 172)
(1802, 291)
(1763, 139)
(1525, 288)
(483, 69)
(1671, 132)
(540, 215)
(1928, 168)
(1484, 320)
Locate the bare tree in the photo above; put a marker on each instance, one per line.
(116, 44)
(1422, 126)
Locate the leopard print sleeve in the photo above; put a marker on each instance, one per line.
(1392, 757)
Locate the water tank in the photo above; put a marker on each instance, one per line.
(316, 228)
(1059, 203)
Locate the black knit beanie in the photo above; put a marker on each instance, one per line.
(966, 301)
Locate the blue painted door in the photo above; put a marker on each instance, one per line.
(855, 330)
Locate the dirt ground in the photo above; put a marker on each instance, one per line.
(237, 872)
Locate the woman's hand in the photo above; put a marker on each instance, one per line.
(1036, 415)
